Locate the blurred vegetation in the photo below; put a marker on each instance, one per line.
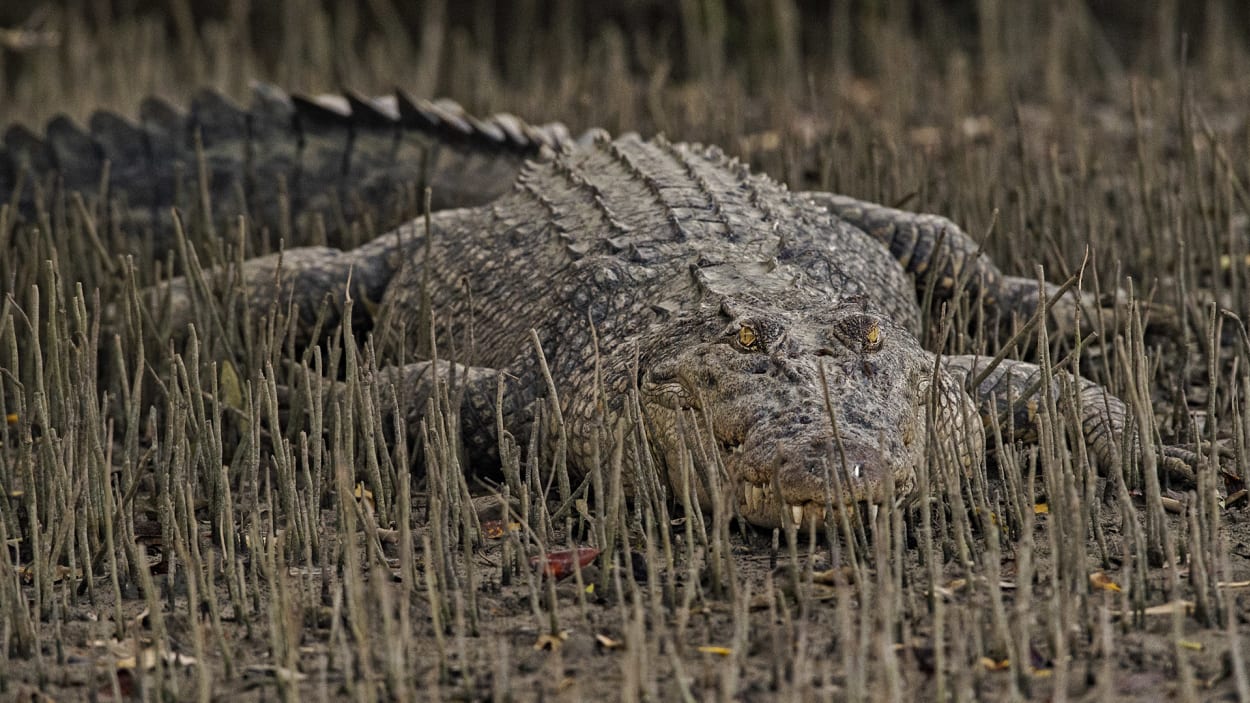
(1021, 49)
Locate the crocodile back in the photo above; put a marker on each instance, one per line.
(628, 233)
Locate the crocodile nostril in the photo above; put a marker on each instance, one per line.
(805, 419)
(824, 351)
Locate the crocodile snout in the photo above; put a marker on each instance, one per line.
(800, 480)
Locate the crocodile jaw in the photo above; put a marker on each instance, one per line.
(773, 491)
(758, 504)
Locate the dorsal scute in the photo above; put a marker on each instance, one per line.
(655, 203)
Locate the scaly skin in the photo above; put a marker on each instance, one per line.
(730, 303)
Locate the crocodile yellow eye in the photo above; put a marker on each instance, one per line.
(746, 337)
(860, 333)
(872, 336)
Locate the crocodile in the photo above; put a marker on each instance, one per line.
(769, 339)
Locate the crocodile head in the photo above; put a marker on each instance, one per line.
(739, 385)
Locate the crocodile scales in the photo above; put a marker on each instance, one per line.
(741, 312)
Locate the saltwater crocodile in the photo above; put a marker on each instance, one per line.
(771, 336)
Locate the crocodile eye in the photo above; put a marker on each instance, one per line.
(872, 337)
(747, 337)
(860, 332)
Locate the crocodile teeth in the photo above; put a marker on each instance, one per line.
(857, 471)
(872, 512)
(753, 496)
(796, 514)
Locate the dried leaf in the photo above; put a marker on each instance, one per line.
(1172, 505)
(1191, 645)
(551, 642)
(1184, 607)
(1041, 508)
(820, 592)
(60, 572)
(1103, 582)
(995, 664)
(956, 584)
(993, 516)
(229, 385)
(583, 510)
(712, 649)
(608, 643)
(1179, 605)
(11, 419)
(494, 529)
(365, 495)
(278, 673)
(839, 576)
(950, 588)
(559, 564)
(231, 393)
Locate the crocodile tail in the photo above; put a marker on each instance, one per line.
(282, 161)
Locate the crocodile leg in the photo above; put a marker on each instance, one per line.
(485, 413)
(302, 279)
(940, 254)
(488, 405)
(1008, 396)
(315, 282)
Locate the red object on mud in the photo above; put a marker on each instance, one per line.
(559, 564)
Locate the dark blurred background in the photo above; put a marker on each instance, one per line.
(693, 39)
(1135, 31)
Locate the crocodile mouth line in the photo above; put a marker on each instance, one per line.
(760, 499)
